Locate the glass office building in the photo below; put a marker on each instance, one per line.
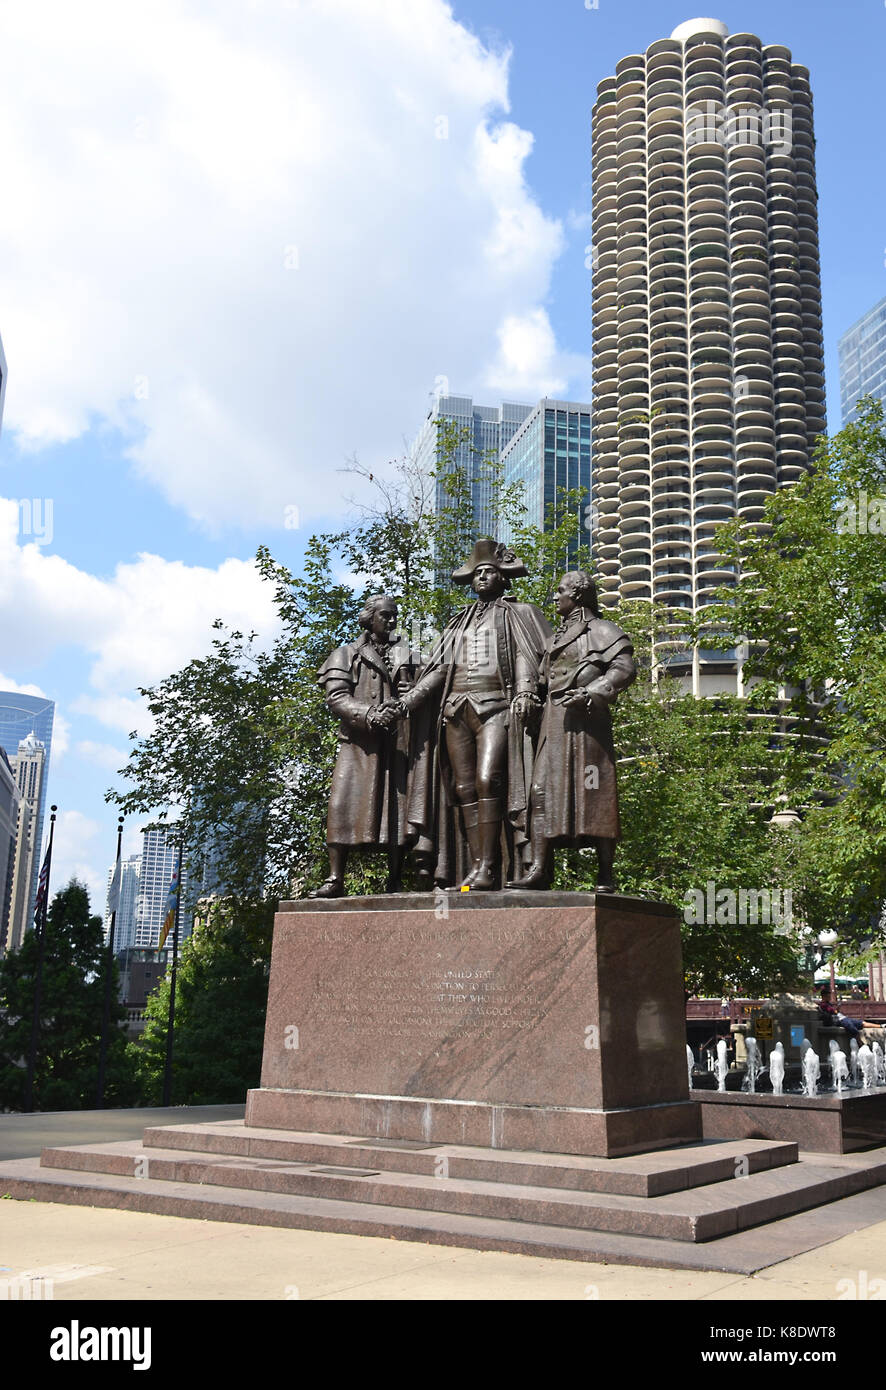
(862, 353)
(491, 428)
(20, 716)
(551, 451)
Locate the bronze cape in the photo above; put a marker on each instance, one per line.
(575, 759)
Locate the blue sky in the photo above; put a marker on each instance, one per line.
(241, 244)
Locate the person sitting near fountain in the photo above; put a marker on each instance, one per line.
(832, 1014)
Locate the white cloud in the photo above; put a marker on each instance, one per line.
(101, 754)
(528, 361)
(76, 851)
(161, 170)
(16, 688)
(149, 619)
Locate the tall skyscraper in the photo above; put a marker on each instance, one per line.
(159, 858)
(708, 353)
(491, 429)
(552, 450)
(29, 769)
(862, 352)
(10, 801)
(21, 716)
(125, 921)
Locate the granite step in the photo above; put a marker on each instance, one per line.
(641, 1175)
(744, 1252)
(692, 1215)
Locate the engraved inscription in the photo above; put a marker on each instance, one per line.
(400, 1004)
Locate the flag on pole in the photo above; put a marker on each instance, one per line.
(171, 901)
(42, 890)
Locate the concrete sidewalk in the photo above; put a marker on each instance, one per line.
(89, 1253)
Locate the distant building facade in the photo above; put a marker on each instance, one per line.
(158, 862)
(551, 451)
(21, 716)
(862, 355)
(10, 800)
(124, 924)
(29, 769)
(141, 970)
(491, 429)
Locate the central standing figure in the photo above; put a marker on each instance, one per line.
(486, 668)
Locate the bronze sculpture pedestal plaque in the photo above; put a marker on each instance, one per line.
(519, 1020)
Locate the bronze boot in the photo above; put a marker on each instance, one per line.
(470, 815)
(485, 877)
(537, 874)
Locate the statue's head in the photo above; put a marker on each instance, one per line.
(379, 616)
(577, 590)
(488, 582)
(489, 569)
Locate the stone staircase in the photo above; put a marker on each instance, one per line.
(679, 1207)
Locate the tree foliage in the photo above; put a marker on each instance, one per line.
(71, 1004)
(221, 998)
(810, 603)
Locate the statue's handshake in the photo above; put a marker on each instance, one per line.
(386, 715)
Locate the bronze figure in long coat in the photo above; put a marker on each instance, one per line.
(484, 671)
(373, 801)
(574, 791)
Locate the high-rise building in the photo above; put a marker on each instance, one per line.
(491, 429)
(158, 862)
(10, 801)
(29, 769)
(707, 337)
(552, 450)
(127, 902)
(21, 716)
(862, 353)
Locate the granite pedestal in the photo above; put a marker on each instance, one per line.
(550, 1022)
(484, 1071)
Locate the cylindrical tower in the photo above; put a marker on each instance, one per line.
(708, 351)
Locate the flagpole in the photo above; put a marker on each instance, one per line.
(109, 972)
(167, 1075)
(38, 983)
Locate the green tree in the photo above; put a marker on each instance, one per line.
(810, 602)
(72, 996)
(221, 998)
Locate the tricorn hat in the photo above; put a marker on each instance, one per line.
(490, 552)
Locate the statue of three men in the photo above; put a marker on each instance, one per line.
(500, 745)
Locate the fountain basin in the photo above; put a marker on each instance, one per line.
(826, 1123)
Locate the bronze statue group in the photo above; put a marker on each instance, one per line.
(482, 759)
